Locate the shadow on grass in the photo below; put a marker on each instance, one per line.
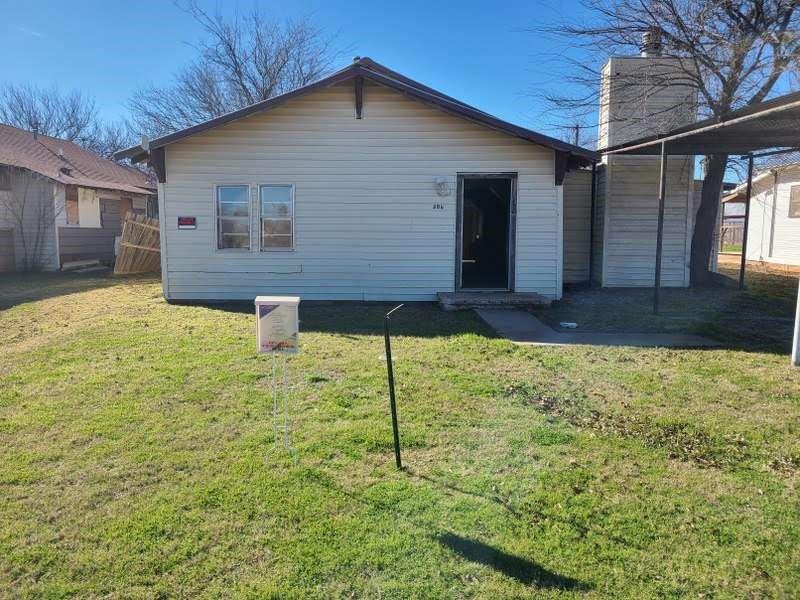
(758, 319)
(454, 489)
(523, 570)
(350, 318)
(20, 288)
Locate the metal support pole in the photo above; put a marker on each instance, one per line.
(662, 186)
(796, 342)
(591, 222)
(743, 264)
(390, 372)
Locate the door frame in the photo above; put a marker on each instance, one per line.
(512, 228)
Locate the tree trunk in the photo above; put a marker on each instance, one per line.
(706, 221)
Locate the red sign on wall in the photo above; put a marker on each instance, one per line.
(187, 222)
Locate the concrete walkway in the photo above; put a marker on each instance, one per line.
(521, 327)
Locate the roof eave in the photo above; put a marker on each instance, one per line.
(375, 72)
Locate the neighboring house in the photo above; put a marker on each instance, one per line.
(61, 203)
(728, 223)
(367, 185)
(773, 232)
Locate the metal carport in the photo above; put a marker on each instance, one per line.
(756, 127)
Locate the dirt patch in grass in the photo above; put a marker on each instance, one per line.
(680, 440)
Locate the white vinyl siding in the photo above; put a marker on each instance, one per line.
(577, 225)
(643, 96)
(365, 224)
(636, 99)
(631, 221)
(773, 236)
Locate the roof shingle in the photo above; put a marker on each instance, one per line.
(68, 163)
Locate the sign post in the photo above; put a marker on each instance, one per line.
(277, 334)
(390, 373)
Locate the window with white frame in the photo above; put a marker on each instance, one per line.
(277, 217)
(233, 217)
(794, 202)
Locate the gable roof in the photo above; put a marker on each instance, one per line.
(68, 163)
(767, 169)
(369, 69)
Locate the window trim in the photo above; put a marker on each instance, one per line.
(6, 179)
(261, 218)
(217, 217)
(67, 200)
(789, 214)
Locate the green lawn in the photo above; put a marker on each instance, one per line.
(135, 458)
(734, 248)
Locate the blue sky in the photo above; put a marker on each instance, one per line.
(479, 52)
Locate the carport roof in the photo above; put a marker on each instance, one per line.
(771, 124)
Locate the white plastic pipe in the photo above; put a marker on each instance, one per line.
(796, 343)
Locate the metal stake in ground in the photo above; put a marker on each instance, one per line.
(390, 373)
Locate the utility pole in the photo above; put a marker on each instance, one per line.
(576, 136)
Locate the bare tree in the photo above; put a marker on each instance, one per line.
(107, 138)
(242, 61)
(729, 52)
(27, 201)
(70, 116)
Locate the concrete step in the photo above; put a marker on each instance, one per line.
(465, 300)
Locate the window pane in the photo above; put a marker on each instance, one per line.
(272, 209)
(233, 212)
(233, 233)
(277, 241)
(234, 240)
(227, 225)
(277, 226)
(275, 193)
(794, 202)
(230, 209)
(270, 226)
(233, 193)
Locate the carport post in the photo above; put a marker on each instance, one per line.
(592, 210)
(796, 342)
(660, 235)
(743, 264)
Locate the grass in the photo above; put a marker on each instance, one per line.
(136, 458)
(759, 318)
(734, 248)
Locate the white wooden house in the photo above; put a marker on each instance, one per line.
(773, 232)
(367, 185)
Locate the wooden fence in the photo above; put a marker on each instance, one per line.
(139, 247)
(731, 235)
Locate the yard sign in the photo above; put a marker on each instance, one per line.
(277, 334)
(278, 324)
